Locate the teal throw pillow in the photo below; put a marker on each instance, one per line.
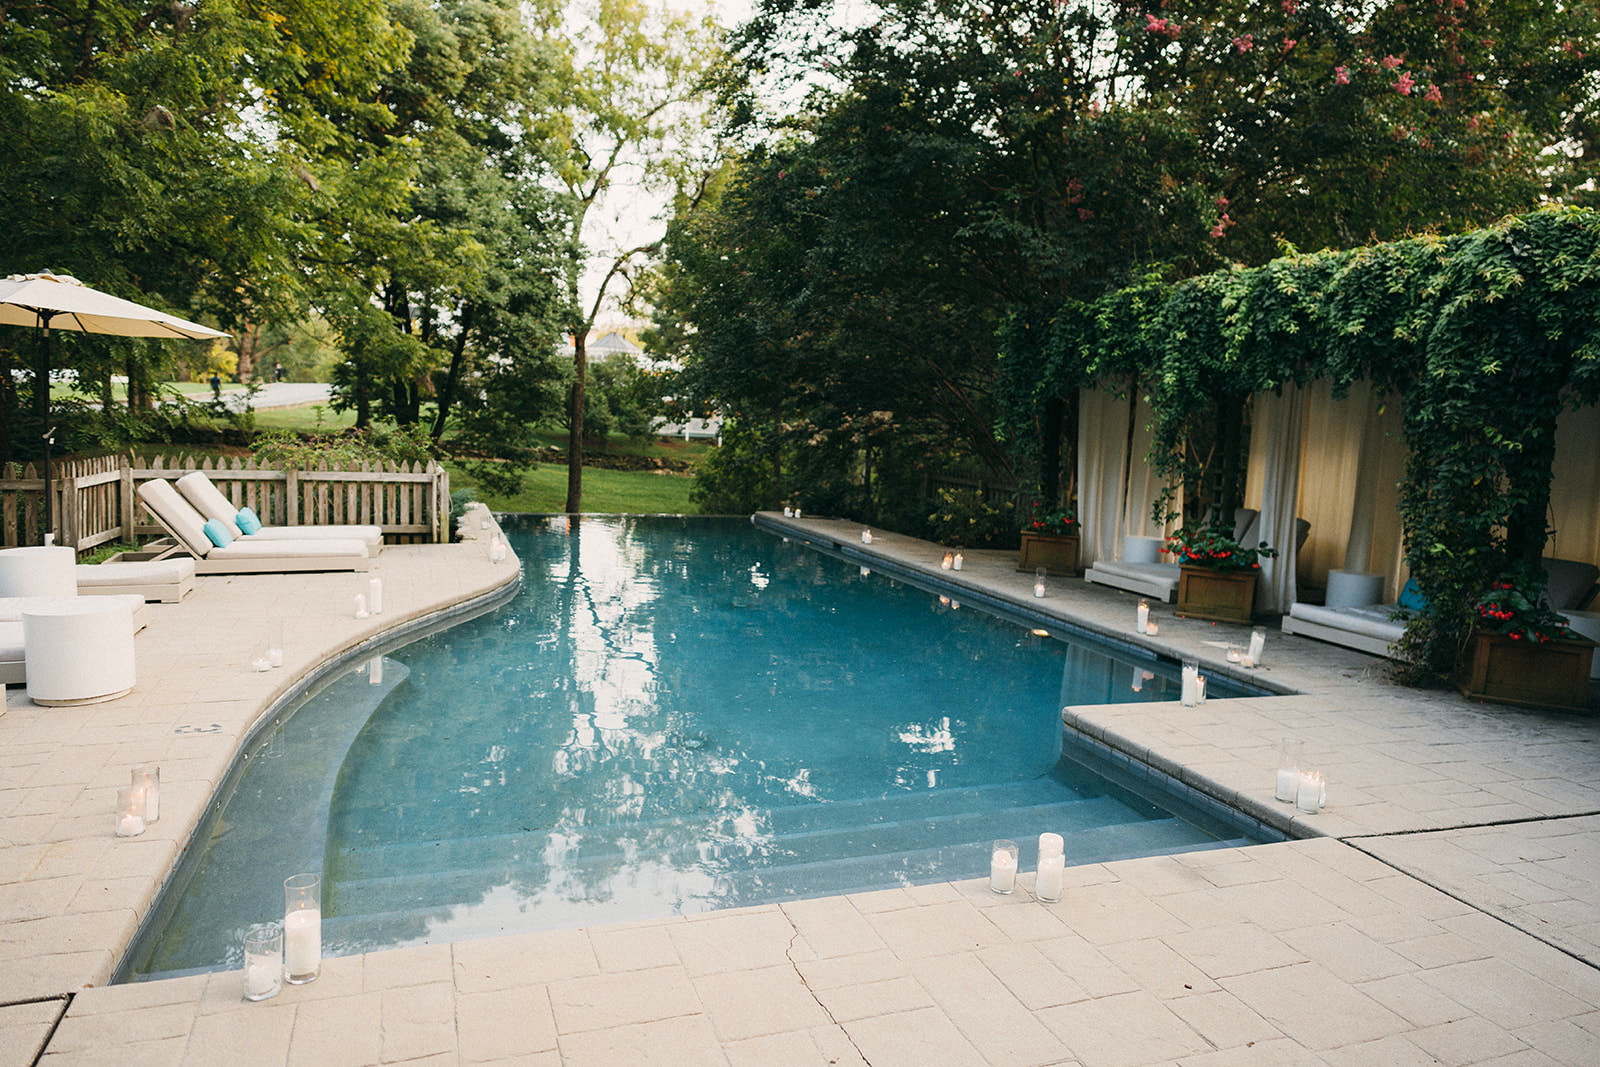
(217, 533)
(1411, 598)
(247, 522)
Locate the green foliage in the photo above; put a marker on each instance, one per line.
(1514, 608)
(1045, 518)
(294, 451)
(967, 520)
(1215, 548)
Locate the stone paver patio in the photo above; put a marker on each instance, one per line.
(1443, 909)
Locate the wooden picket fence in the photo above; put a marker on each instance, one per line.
(95, 502)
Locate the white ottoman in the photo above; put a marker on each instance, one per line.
(45, 570)
(1353, 589)
(79, 651)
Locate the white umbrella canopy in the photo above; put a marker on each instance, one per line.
(62, 302)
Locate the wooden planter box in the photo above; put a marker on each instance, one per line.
(1552, 675)
(1056, 553)
(1224, 596)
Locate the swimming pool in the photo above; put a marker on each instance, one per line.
(673, 715)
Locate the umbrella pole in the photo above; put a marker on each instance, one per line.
(49, 431)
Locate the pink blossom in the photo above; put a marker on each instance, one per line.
(1404, 84)
(1084, 214)
(1291, 6)
(1222, 201)
(1244, 44)
(1288, 43)
(1221, 228)
(1341, 75)
(1433, 95)
(1390, 62)
(1163, 27)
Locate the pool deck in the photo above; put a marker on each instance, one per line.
(1444, 908)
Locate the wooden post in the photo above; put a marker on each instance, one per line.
(291, 502)
(125, 500)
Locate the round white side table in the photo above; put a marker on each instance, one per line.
(78, 651)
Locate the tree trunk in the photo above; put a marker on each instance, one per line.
(8, 406)
(1230, 411)
(580, 372)
(452, 376)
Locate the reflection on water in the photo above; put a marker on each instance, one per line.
(673, 715)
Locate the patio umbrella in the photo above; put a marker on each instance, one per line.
(65, 303)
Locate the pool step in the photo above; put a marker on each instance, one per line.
(823, 859)
(727, 833)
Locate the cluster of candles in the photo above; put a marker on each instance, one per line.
(791, 513)
(866, 537)
(1051, 873)
(497, 549)
(269, 653)
(952, 561)
(1142, 623)
(290, 952)
(1193, 690)
(1305, 789)
(139, 802)
(1251, 655)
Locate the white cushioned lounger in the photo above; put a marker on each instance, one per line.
(166, 580)
(248, 556)
(210, 502)
(1138, 570)
(13, 658)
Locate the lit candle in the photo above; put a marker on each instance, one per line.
(1152, 629)
(1188, 694)
(1138, 680)
(788, 512)
(262, 661)
(1052, 872)
(361, 608)
(1199, 689)
(1258, 645)
(1142, 616)
(1308, 797)
(130, 812)
(948, 562)
(1038, 582)
(149, 779)
(375, 595)
(1233, 654)
(302, 927)
(797, 513)
(955, 605)
(866, 537)
(1003, 867)
(866, 571)
(956, 563)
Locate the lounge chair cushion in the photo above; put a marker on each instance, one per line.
(1374, 620)
(250, 548)
(217, 533)
(1567, 582)
(208, 500)
(247, 522)
(155, 579)
(175, 512)
(1411, 598)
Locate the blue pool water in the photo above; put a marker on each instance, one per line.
(673, 715)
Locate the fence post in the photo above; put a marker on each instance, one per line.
(291, 500)
(125, 499)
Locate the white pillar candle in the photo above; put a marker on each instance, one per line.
(149, 779)
(866, 572)
(1188, 693)
(1052, 872)
(1142, 617)
(1051, 845)
(375, 595)
(130, 812)
(866, 537)
(274, 657)
(1308, 797)
(1258, 645)
(361, 606)
(955, 564)
(788, 513)
(375, 671)
(302, 943)
(1038, 582)
(797, 513)
(948, 562)
(1138, 680)
(1003, 867)
(1288, 784)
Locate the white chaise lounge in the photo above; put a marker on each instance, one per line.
(210, 502)
(1140, 570)
(245, 556)
(1373, 628)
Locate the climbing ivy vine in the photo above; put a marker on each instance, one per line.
(1485, 337)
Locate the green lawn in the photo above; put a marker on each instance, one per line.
(613, 492)
(304, 417)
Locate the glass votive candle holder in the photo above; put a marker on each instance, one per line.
(957, 562)
(130, 812)
(263, 961)
(1290, 754)
(1038, 581)
(1311, 793)
(1003, 867)
(149, 780)
(1052, 873)
(302, 928)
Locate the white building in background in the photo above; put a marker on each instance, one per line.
(608, 344)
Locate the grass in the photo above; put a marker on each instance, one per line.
(305, 417)
(614, 492)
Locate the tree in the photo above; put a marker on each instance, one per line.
(628, 99)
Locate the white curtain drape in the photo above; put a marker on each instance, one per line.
(1145, 484)
(1575, 487)
(1102, 459)
(1276, 430)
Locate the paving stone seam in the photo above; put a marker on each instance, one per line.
(55, 1024)
(1479, 908)
(1489, 824)
(788, 954)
